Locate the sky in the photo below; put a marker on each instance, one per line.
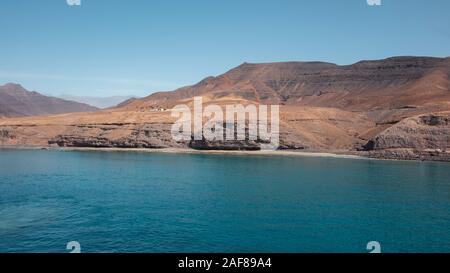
(137, 47)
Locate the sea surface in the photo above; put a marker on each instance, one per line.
(156, 202)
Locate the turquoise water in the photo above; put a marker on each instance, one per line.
(151, 202)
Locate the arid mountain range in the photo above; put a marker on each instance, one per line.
(394, 108)
(16, 101)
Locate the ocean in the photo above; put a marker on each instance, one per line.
(159, 202)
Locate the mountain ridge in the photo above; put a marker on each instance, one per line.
(308, 83)
(16, 101)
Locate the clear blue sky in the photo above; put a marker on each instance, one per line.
(119, 47)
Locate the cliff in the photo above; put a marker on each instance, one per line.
(425, 137)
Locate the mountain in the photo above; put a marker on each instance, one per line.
(393, 108)
(99, 102)
(16, 101)
(392, 83)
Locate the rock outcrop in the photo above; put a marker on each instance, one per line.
(116, 136)
(420, 137)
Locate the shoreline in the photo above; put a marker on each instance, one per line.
(193, 151)
(338, 154)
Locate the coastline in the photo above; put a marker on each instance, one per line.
(339, 154)
(193, 151)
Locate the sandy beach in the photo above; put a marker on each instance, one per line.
(192, 151)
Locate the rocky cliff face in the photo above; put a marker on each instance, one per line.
(300, 128)
(420, 137)
(117, 136)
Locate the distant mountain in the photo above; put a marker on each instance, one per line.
(16, 101)
(100, 102)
